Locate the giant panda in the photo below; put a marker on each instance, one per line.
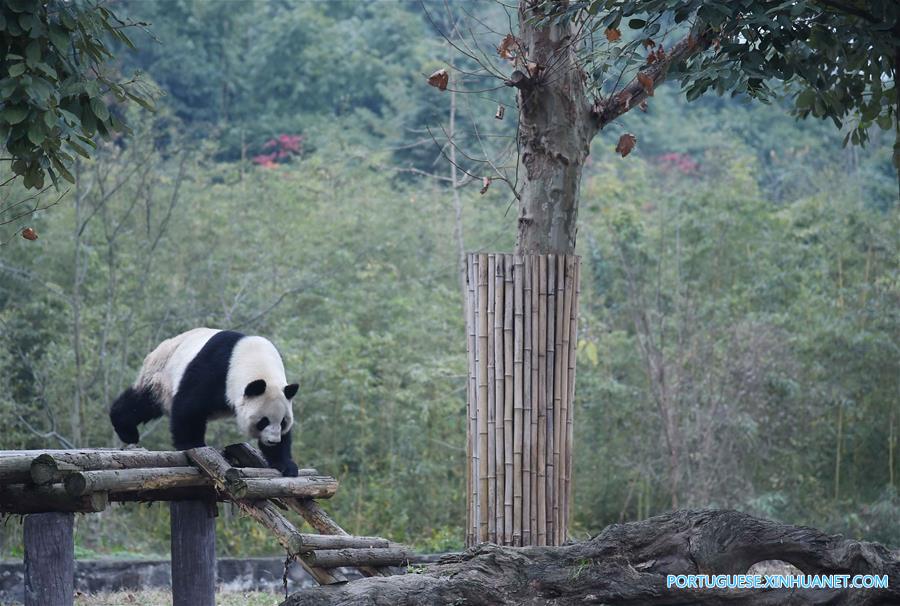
(205, 374)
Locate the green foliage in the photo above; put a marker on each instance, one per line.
(56, 89)
(837, 59)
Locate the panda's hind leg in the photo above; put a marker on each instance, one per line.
(133, 407)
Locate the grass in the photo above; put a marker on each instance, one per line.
(164, 598)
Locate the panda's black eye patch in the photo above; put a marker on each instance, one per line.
(284, 422)
(262, 423)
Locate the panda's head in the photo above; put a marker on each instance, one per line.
(266, 411)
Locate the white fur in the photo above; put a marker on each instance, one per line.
(252, 358)
(256, 358)
(164, 366)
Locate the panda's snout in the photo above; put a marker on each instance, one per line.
(270, 438)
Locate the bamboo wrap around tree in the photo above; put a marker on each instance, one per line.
(521, 328)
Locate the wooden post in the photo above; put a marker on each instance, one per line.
(49, 559)
(193, 553)
(521, 340)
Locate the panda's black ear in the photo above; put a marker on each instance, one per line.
(291, 390)
(255, 388)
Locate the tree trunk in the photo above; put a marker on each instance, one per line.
(627, 564)
(555, 131)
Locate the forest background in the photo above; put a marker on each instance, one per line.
(293, 183)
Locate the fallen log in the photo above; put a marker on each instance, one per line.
(310, 487)
(627, 564)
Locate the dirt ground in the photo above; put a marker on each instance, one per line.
(164, 598)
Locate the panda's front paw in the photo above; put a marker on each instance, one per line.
(288, 469)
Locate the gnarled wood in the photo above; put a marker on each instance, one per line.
(627, 564)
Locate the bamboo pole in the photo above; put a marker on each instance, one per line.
(509, 404)
(551, 399)
(542, 404)
(499, 399)
(518, 411)
(567, 268)
(570, 426)
(492, 399)
(527, 410)
(483, 388)
(558, 427)
(471, 436)
(535, 392)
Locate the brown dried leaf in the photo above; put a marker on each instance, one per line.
(501, 110)
(626, 143)
(533, 68)
(648, 43)
(613, 34)
(439, 79)
(29, 234)
(485, 184)
(660, 54)
(509, 48)
(646, 81)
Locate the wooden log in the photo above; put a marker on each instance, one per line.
(20, 499)
(15, 469)
(541, 494)
(527, 408)
(46, 466)
(249, 456)
(49, 559)
(207, 494)
(263, 511)
(311, 487)
(492, 398)
(193, 548)
(311, 542)
(551, 397)
(392, 556)
(481, 378)
(125, 480)
(508, 400)
(518, 407)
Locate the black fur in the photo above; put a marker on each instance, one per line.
(201, 393)
(131, 409)
(279, 456)
(255, 388)
(291, 390)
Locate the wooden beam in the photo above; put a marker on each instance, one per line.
(49, 559)
(390, 556)
(21, 499)
(193, 526)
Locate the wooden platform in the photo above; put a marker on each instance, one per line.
(49, 486)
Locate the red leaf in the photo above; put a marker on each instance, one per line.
(509, 48)
(626, 143)
(29, 234)
(485, 184)
(439, 79)
(613, 34)
(646, 81)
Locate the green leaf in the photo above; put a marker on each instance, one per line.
(61, 169)
(14, 114)
(36, 132)
(16, 70)
(33, 53)
(58, 37)
(636, 23)
(100, 110)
